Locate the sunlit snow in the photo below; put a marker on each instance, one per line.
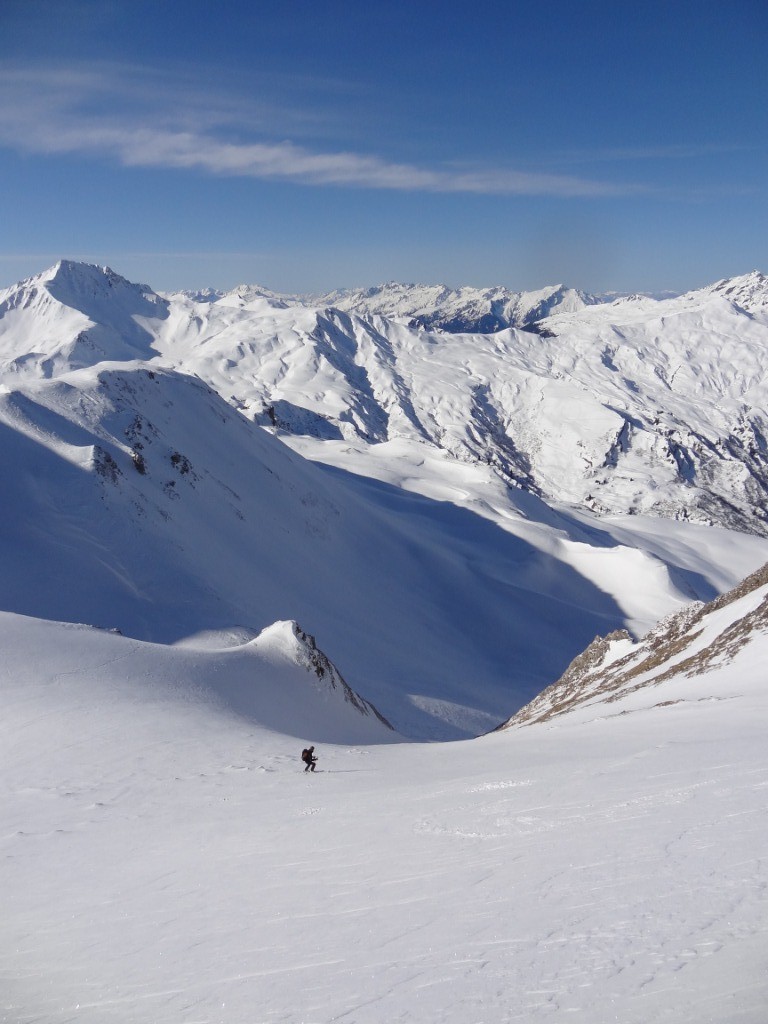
(166, 858)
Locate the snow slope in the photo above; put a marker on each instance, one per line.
(144, 502)
(165, 858)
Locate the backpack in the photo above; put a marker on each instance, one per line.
(306, 756)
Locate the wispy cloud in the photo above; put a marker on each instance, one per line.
(149, 119)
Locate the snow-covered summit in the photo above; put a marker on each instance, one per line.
(74, 315)
(83, 284)
(97, 292)
(749, 292)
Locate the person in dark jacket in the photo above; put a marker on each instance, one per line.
(309, 759)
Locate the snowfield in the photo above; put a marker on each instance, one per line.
(165, 857)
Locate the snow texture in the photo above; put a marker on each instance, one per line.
(165, 857)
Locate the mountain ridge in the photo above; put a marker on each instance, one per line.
(438, 307)
(640, 406)
(690, 643)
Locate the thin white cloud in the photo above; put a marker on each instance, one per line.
(147, 119)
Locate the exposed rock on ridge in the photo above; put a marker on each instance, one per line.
(306, 653)
(689, 643)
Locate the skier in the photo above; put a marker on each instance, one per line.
(309, 759)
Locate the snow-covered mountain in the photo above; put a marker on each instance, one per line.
(74, 315)
(151, 499)
(456, 310)
(142, 501)
(427, 307)
(638, 406)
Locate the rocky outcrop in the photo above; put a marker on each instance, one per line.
(303, 650)
(689, 643)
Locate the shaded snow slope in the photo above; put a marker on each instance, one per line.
(165, 858)
(143, 501)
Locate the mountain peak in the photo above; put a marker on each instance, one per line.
(748, 291)
(82, 314)
(76, 283)
(289, 638)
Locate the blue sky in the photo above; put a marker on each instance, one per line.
(312, 145)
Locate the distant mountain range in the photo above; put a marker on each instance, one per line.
(436, 307)
(634, 406)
